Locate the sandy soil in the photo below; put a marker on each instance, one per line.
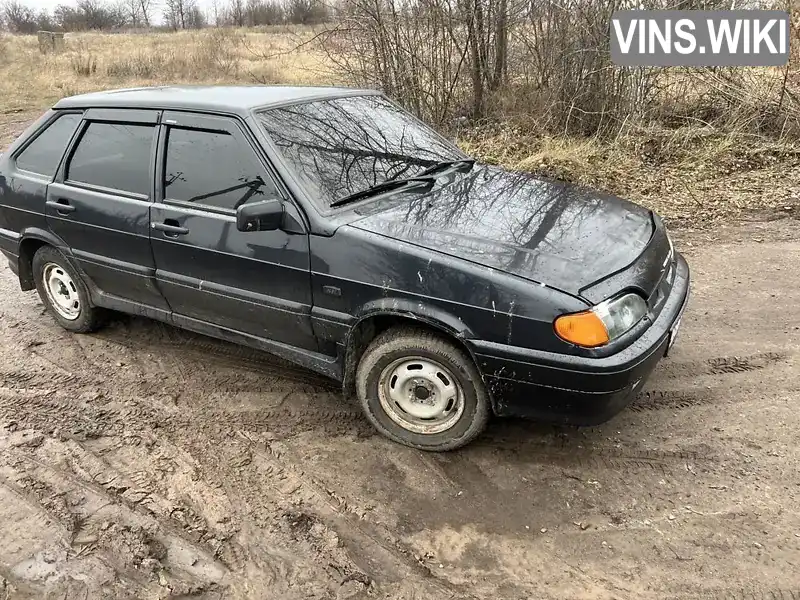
(145, 462)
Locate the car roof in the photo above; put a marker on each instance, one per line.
(240, 99)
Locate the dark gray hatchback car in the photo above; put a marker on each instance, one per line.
(330, 227)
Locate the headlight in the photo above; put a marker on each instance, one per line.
(603, 323)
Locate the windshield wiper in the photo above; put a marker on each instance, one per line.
(467, 164)
(421, 179)
(386, 186)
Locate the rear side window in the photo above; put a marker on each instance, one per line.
(44, 153)
(114, 156)
(212, 168)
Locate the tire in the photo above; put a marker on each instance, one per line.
(405, 375)
(79, 315)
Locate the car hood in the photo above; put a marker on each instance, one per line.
(552, 233)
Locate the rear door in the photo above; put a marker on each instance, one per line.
(99, 203)
(253, 282)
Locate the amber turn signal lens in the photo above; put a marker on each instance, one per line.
(584, 329)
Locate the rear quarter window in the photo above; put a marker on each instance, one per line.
(44, 153)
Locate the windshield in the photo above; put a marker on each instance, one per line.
(347, 145)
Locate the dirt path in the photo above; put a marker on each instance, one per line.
(146, 462)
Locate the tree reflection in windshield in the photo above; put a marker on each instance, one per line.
(347, 145)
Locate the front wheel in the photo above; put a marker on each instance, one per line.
(421, 390)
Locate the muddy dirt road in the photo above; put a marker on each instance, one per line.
(144, 462)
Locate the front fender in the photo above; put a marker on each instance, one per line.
(417, 310)
(408, 310)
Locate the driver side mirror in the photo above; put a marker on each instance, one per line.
(260, 216)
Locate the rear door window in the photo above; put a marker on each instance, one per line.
(214, 169)
(44, 153)
(114, 156)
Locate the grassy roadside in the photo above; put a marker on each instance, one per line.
(693, 176)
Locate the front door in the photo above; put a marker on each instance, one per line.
(99, 203)
(252, 282)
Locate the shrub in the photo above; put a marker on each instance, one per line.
(140, 65)
(217, 52)
(83, 65)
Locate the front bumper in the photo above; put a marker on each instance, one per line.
(578, 390)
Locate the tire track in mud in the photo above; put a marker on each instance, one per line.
(722, 365)
(316, 516)
(105, 516)
(758, 594)
(247, 370)
(297, 492)
(91, 420)
(569, 454)
(735, 364)
(16, 379)
(690, 397)
(653, 400)
(372, 539)
(330, 421)
(96, 415)
(331, 415)
(139, 336)
(87, 416)
(165, 523)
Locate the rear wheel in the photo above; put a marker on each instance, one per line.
(421, 390)
(63, 293)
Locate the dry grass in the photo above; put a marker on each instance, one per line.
(95, 61)
(691, 174)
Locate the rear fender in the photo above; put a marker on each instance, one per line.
(31, 240)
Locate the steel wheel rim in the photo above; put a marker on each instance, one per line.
(421, 395)
(61, 291)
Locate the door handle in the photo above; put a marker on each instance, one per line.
(171, 228)
(61, 206)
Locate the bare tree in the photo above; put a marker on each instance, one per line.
(236, 13)
(96, 14)
(44, 21)
(147, 8)
(180, 14)
(18, 17)
(133, 12)
(306, 12)
(453, 58)
(195, 19)
(263, 12)
(138, 12)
